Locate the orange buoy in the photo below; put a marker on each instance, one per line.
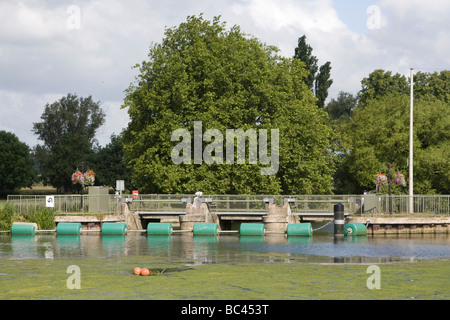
(137, 271)
(145, 272)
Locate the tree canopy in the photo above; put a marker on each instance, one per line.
(202, 72)
(110, 164)
(318, 79)
(16, 164)
(67, 130)
(378, 133)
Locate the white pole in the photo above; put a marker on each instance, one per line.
(411, 192)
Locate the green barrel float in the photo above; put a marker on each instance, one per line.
(114, 228)
(355, 229)
(252, 229)
(23, 228)
(205, 229)
(159, 228)
(299, 229)
(68, 228)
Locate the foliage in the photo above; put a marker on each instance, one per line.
(67, 129)
(43, 217)
(379, 133)
(323, 82)
(227, 80)
(6, 216)
(434, 84)
(380, 83)
(341, 108)
(110, 164)
(303, 51)
(16, 164)
(319, 81)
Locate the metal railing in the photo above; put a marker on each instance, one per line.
(102, 204)
(159, 203)
(365, 205)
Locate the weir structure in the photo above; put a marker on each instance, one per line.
(276, 213)
(229, 212)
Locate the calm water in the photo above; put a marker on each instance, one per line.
(189, 249)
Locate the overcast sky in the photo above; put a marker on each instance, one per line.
(49, 48)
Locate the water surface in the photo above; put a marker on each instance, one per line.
(190, 249)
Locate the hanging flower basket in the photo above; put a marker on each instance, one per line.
(399, 179)
(87, 178)
(381, 180)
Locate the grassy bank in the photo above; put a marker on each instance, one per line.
(43, 217)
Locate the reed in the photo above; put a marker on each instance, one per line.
(43, 217)
(7, 213)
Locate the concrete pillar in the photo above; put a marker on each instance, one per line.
(277, 218)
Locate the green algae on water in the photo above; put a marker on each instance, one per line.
(113, 278)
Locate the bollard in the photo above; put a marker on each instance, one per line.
(338, 220)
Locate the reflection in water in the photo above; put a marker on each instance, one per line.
(68, 245)
(114, 245)
(195, 249)
(251, 239)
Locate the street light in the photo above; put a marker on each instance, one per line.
(411, 192)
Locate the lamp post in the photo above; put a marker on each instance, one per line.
(389, 187)
(82, 186)
(410, 162)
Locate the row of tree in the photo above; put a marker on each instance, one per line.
(203, 72)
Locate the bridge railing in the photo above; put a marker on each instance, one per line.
(366, 205)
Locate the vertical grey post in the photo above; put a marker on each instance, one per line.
(338, 220)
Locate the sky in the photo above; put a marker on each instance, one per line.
(49, 48)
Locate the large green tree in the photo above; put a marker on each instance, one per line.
(67, 130)
(16, 164)
(380, 83)
(378, 133)
(202, 72)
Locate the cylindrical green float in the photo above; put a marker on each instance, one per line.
(252, 229)
(299, 229)
(355, 229)
(114, 228)
(205, 229)
(68, 228)
(23, 228)
(159, 228)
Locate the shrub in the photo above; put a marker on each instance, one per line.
(6, 216)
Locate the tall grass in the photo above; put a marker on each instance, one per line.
(43, 217)
(7, 212)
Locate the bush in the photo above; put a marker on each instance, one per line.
(43, 217)
(6, 216)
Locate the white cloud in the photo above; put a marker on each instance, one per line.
(275, 15)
